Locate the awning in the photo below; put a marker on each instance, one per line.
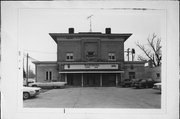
(91, 72)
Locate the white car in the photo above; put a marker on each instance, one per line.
(49, 84)
(157, 86)
(30, 92)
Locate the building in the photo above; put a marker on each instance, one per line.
(153, 72)
(89, 59)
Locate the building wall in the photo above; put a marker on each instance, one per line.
(154, 73)
(79, 46)
(138, 68)
(69, 47)
(116, 47)
(41, 70)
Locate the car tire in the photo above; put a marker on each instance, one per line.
(26, 95)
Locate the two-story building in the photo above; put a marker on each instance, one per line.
(89, 59)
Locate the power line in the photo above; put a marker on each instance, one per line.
(25, 55)
(36, 51)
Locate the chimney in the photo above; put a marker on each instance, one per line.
(71, 30)
(108, 30)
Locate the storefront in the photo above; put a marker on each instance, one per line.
(85, 79)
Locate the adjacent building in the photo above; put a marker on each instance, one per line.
(89, 59)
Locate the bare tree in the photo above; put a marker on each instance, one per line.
(153, 51)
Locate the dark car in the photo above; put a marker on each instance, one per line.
(144, 83)
(133, 81)
(126, 83)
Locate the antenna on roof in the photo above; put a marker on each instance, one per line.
(89, 17)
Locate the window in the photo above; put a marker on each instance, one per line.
(48, 75)
(112, 56)
(69, 56)
(158, 75)
(90, 53)
(132, 75)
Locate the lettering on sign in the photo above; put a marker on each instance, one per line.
(91, 66)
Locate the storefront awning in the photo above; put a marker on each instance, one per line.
(91, 72)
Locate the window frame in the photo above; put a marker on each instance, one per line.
(132, 75)
(48, 75)
(158, 75)
(69, 56)
(111, 55)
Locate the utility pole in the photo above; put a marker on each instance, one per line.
(27, 69)
(89, 17)
(128, 53)
(133, 53)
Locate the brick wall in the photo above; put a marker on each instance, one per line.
(103, 47)
(116, 47)
(154, 73)
(41, 70)
(69, 47)
(136, 67)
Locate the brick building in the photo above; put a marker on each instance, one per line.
(89, 59)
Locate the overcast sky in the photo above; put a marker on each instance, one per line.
(36, 24)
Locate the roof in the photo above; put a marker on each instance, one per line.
(45, 62)
(90, 34)
(134, 62)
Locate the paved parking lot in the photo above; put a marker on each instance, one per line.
(96, 97)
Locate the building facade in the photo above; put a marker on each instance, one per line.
(89, 59)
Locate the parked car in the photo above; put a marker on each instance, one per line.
(144, 83)
(48, 84)
(133, 81)
(30, 92)
(30, 80)
(157, 86)
(126, 83)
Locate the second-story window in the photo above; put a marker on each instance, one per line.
(69, 56)
(111, 56)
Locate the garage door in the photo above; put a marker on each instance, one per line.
(108, 79)
(74, 79)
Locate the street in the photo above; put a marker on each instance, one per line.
(96, 97)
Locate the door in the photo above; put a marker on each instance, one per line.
(69, 79)
(91, 80)
(109, 79)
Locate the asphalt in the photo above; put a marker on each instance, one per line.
(96, 97)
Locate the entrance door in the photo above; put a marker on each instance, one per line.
(91, 80)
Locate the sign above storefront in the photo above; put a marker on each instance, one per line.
(90, 66)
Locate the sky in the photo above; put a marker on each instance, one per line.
(36, 24)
